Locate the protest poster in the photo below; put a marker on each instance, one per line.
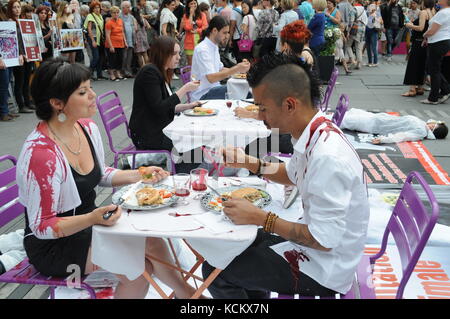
(9, 44)
(72, 39)
(30, 41)
(40, 37)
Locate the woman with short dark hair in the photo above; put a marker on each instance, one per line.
(60, 165)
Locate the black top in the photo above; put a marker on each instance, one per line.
(418, 35)
(86, 185)
(386, 15)
(153, 108)
(48, 43)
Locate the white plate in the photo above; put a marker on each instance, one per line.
(204, 201)
(132, 203)
(190, 112)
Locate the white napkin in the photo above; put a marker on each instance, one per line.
(162, 222)
(215, 223)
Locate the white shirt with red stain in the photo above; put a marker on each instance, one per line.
(46, 184)
(330, 178)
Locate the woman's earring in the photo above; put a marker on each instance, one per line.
(62, 117)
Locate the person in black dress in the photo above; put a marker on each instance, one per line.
(415, 69)
(154, 103)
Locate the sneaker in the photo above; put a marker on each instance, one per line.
(374, 65)
(25, 110)
(444, 98)
(12, 258)
(426, 101)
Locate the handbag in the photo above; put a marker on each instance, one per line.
(245, 44)
(354, 28)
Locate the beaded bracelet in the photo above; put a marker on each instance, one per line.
(269, 224)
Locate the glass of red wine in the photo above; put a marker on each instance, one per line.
(227, 99)
(199, 179)
(181, 186)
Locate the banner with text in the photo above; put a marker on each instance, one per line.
(30, 40)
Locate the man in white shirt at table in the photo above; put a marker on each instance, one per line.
(317, 255)
(206, 64)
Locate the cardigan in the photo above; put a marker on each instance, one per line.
(46, 185)
(153, 108)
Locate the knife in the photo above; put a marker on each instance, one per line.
(107, 215)
(218, 194)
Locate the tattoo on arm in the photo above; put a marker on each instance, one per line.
(300, 234)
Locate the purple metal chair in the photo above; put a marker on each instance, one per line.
(10, 208)
(331, 83)
(185, 76)
(410, 225)
(341, 108)
(112, 115)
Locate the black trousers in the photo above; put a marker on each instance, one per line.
(22, 75)
(258, 271)
(439, 84)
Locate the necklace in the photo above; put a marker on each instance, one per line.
(67, 146)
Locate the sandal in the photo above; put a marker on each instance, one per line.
(410, 93)
(420, 91)
(112, 78)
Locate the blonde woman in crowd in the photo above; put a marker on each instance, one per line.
(65, 20)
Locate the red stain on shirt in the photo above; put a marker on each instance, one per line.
(293, 256)
(42, 165)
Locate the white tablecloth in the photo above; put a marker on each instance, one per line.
(237, 88)
(120, 249)
(188, 132)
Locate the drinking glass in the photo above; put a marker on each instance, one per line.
(228, 100)
(199, 179)
(181, 186)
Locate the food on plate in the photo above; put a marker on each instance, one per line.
(252, 108)
(151, 196)
(198, 110)
(249, 193)
(240, 76)
(142, 171)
